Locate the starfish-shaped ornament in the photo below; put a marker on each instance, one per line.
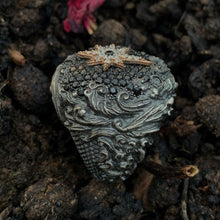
(111, 56)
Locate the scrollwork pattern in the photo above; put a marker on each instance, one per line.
(111, 132)
(118, 126)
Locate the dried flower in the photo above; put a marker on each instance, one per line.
(80, 15)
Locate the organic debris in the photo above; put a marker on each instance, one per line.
(80, 15)
(16, 57)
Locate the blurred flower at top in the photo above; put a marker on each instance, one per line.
(80, 15)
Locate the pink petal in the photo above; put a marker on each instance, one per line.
(79, 15)
(78, 3)
(86, 5)
(66, 25)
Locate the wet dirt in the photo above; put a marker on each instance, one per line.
(41, 173)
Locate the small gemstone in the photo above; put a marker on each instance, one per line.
(84, 83)
(111, 77)
(65, 80)
(127, 77)
(106, 81)
(115, 82)
(58, 204)
(80, 91)
(103, 75)
(146, 78)
(97, 68)
(130, 86)
(132, 73)
(140, 74)
(66, 87)
(71, 79)
(119, 76)
(137, 91)
(83, 71)
(99, 80)
(113, 90)
(79, 77)
(95, 76)
(87, 77)
(122, 82)
(75, 84)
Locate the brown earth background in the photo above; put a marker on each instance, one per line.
(41, 173)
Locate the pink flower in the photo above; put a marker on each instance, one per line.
(80, 15)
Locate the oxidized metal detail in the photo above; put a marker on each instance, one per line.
(112, 114)
(111, 56)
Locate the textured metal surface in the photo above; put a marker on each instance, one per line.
(112, 114)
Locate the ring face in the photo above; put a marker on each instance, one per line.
(111, 111)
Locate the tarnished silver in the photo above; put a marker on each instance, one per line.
(112, 114)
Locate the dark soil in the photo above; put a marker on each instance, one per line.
(41, 174)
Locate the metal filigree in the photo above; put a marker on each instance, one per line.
(112, 114)
(111, 56)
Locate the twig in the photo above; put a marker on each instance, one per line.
(184, 200)
(170, 172)
(177, 33)
(5, 83)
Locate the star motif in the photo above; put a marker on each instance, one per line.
(111, 56)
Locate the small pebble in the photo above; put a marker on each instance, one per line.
(31, 88)
(208, 110)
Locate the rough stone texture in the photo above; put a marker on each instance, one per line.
(168, 195)
(204, 193)
(37, 52)
(5, 115)
(212, 27)
(208, 110)
(138, 39)
(49, 199)
(111, 31)
(26, 22)
(31, 88)
(205, 79)
(196, 32)
(4, 42)
(115, 3)
(30, 16)
(100, 200)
